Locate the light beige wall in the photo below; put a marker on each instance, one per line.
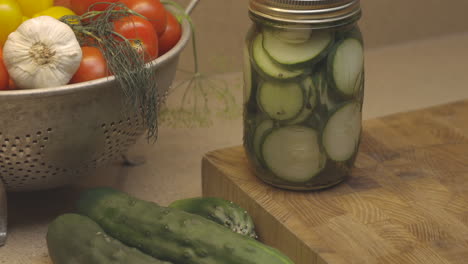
(387, 22)
(221, 26)
(220, 29)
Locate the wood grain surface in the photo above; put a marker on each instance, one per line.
(406, 200)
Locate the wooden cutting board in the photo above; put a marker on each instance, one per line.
(405, 202)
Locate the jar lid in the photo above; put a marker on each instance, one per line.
(305, 11)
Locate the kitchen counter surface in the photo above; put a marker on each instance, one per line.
(399, 78)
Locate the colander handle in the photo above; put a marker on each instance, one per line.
(3, 214)
(191, 6)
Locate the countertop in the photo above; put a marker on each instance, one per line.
(400, 78)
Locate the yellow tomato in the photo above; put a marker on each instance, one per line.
(31, 7)
(10, 18)
(24, 18)
(55, 12)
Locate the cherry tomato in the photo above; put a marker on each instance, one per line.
(10, 18)
(141, 34)
(81, 6)
(171, 36)
(4, 78)
(93, 66)
(153, 10)
(31, 7)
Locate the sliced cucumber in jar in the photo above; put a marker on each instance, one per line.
(342, 131)
(310, 102)
(267, 65)
(247, 75)
(325, 96)
(297, 53)
(303, 115)
(292, 153)
(360, 86)
(259, 135)
(310, 91)
(292, 36)
(346, 64)
(351, 32)
(280, 100)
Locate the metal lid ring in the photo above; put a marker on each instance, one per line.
(305, 11)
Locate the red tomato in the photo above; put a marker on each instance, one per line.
(153, 10)
(93, 66)
(4, 77)
(171, 36)
(81, 6)
(141, 34)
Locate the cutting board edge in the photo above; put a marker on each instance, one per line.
(290, 244)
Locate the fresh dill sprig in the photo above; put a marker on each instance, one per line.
(202, 95)
(137, 80)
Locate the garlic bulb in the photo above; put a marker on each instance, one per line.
(42, 52)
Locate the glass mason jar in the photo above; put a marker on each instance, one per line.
(303, 91)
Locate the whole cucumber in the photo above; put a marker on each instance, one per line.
(73, 238)
(171, 234)
(221, 211)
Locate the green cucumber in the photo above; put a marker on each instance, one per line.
(294, 54)
(171, 234)
(267, 65)
(310, 102)
(346, 63)
(76, 239)
(293, 154)
(280, 100)
(342, 131)
(221, 211)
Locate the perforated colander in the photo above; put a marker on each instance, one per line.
(50, 137)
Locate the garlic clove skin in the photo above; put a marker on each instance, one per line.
(42, 52)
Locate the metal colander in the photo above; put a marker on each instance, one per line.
(50, 137)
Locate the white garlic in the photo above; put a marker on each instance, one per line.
(42, 52)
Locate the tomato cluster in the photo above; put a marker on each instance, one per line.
(153, 36)
(162, 21)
